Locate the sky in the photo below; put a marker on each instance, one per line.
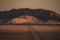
(33, 4)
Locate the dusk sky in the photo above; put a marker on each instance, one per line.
(33, 4)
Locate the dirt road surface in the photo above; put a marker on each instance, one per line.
(29, 32)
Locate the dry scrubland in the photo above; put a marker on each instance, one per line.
(23, 32)
(26, 27)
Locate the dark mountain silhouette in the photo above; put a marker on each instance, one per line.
(41, 14)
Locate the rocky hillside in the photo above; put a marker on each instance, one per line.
(23, 19)
(28, 15)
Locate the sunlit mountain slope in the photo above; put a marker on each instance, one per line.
(23, 19)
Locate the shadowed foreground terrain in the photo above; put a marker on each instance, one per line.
(23, 32)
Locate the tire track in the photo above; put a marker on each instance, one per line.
(34, 33)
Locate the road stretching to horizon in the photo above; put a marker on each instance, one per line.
(29, 32)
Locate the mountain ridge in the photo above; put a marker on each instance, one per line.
(40, 14)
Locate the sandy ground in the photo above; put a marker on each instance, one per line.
(25, 27)
(48, 32)
(47, 28)
(22, 32)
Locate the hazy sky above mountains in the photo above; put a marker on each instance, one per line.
(45, 4)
